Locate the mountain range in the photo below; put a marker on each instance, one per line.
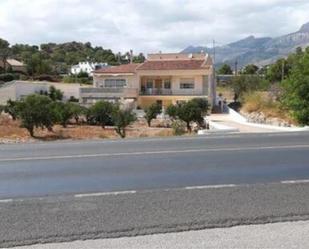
(259, 51)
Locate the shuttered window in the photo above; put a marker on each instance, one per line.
(117, 83)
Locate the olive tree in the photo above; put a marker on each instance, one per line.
(122, 119)
(35, 112)
(151, 112)
(191, 111)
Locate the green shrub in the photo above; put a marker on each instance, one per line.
(101, 113)
(76, 79)
(296, 90)
(179, 127)
(35, 112)
(6, 77)
(171, 110)
(46, 77)
(248, 83)
(55, 94)
(11, 108)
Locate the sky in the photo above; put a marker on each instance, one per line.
(148, 25)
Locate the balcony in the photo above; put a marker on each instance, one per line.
(108, 92)
(170, 92)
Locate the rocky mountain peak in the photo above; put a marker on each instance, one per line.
(304, 28)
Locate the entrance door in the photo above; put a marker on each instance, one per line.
(158, 86)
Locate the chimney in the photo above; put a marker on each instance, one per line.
(131, 56)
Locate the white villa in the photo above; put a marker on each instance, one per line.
(87, 67)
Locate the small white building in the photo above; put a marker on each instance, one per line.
(87, 67)
(15, 90)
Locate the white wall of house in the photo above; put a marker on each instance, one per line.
(198, 85)
(18, 89)
(7, 92)
(132, 80)
(87, 67)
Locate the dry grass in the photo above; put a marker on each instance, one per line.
(227, 92)
(262, 102)
(10, 129)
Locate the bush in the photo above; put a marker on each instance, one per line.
(151, 112)
(55, 94)
(11, 108)
(6, 77)
(263, 102)
(75, 79)
(248, 83)
(101, 113)
(46, 77)
(296, 90)
(73, 99)
(201, 103)
(179, 127)
(83, 75)
(171, 110)
(24, 77)
(62, 112)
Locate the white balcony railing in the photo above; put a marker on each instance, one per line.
(108, 92)
(160, 91)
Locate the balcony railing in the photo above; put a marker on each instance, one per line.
(160, 92)
(108, 92)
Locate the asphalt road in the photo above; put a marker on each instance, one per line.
(246, 179)
(44, 169)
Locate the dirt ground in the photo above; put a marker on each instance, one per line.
(10, 131)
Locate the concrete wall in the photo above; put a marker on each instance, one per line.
(145, 101)
(7, 92)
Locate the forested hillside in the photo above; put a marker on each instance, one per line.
(52, 58)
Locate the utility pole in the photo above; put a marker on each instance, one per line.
(131, 56)
(214, 51)
(119, 58)
(282, 70)
(236, 64)
(213, 85)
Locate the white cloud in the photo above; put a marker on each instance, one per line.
(147, 25)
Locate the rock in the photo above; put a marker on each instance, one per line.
(260, 118)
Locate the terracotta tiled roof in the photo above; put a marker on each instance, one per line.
(126, 68)
(172, 65)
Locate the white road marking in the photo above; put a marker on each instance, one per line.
(212, 186)
(6, 200)
(97, 194)
(105, 193)
(295, 181)
(138, 153)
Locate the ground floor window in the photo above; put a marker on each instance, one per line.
(117, 83)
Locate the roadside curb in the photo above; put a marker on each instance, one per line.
(238, 118)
